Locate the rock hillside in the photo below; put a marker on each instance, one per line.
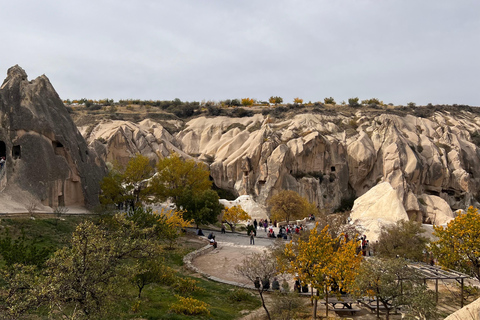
(47, 159)
(431, 163)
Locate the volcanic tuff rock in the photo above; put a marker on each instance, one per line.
(326, 158)
(46, 156)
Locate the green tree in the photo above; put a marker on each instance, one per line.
(150, 271)
(458, 243)
(84, 275)
(403, 240)
(202, 208)
(393, 284)
(176, 176)
(120, 186)
(288, 205)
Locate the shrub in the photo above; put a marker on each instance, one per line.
(238, 295)
(189, 306)
(167, 276)
(329, 100)
(353, 102)
(247, 102)
(298, 101)
(186, 286)
(240, 113)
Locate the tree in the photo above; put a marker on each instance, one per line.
(403, 240)
(257, 267)
(234, 215)
(288, 205)
(458, 243)
(329, 100)
(298, 100)
(150, 271)
(275, 100)
(353, 102)
(323, 262)
(129, 185)
(202, 208)
(247, 102)
(393, 284)
(21, 291)
(82, 275)
(176, 176)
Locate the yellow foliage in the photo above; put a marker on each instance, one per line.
(189, 306)
(458, 244)
(298, 100)
(322, 260)
(235, 214)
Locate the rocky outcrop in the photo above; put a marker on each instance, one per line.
(46, 156)
(432, 164)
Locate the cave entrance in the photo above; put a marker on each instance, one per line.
(16, 152)
(3, 149)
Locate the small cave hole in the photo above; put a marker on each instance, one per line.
(332, 169)
(16, 152)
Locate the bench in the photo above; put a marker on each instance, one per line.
(344, 310)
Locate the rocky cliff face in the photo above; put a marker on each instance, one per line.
(46, 156)
(325, 157)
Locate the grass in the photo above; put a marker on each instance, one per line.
(156, 298)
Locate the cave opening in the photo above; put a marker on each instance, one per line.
(16, 152)
(3, 149)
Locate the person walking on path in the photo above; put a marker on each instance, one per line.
(252, 237)
(255, 224)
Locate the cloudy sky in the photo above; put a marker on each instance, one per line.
(395, 50)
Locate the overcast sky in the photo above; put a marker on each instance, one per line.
(395, 50)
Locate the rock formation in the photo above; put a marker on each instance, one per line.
(47, 159)
(432, 164)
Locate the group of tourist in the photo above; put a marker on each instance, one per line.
(264, 284)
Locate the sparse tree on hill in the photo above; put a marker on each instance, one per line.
(275, 100)
(298, 100)
(329, 100)
(247, 102)
(353, 102)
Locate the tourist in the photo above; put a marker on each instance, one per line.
(200, 232)
(255, 224)
(257, 282)
(266, 283)
(223, 228)
(275, 284)
(252, 237)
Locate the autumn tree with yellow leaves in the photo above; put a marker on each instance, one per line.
(234, 215)
(323, 262)
(458, 243)
(288, 205)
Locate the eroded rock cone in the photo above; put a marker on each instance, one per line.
(46, 155)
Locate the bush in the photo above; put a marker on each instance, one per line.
(186, 286)
(240, 113)
(353, 102)
(329, 100)
(238, 295)
(189, 306)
